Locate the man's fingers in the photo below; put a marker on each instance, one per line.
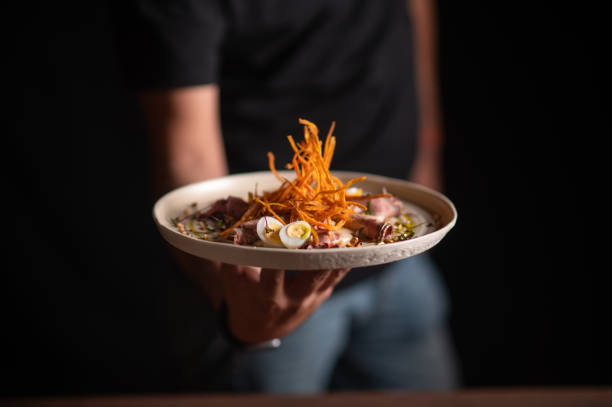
(252, 274)
(306, 282)
(232, 273)
(334, 277)
(272, 280)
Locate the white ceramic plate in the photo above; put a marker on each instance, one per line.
(427, 202)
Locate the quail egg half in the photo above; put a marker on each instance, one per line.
(354, 191)
(294, 234)
(268, 229)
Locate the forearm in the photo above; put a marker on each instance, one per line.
(186, 145)
(185, 136)
(423, 15)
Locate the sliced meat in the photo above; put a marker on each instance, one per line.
(385, 206)
(370, 226)
(232, 206)
(327, 239)
(246, 233)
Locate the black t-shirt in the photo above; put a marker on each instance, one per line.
(347, 61)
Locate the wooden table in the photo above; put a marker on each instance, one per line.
(523, 397)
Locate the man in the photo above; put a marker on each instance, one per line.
(221, 83)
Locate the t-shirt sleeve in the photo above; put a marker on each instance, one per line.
(167, 44)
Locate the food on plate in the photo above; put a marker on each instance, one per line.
(295, 234)
(268, 230)
(313, 210)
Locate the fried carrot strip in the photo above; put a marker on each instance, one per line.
(314, 195)
(357, 204)
(345, 186)
(268, 207)
(273, 168)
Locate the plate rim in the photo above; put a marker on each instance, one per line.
(348, 174)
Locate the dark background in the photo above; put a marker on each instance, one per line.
(91, 309)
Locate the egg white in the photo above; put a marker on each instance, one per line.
(291, 242)
(352, 191)
(270, 222)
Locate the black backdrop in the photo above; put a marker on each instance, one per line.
(89, 309)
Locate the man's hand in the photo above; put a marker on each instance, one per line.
(261, 304)
(265, 304)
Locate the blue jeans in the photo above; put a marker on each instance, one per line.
(388, 332)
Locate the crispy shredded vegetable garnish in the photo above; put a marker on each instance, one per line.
(315, 195)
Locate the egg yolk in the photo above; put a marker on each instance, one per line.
(271, 232)
(297, 230)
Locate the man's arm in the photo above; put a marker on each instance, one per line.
(427, 168)
(187, 144)
(187, 147)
